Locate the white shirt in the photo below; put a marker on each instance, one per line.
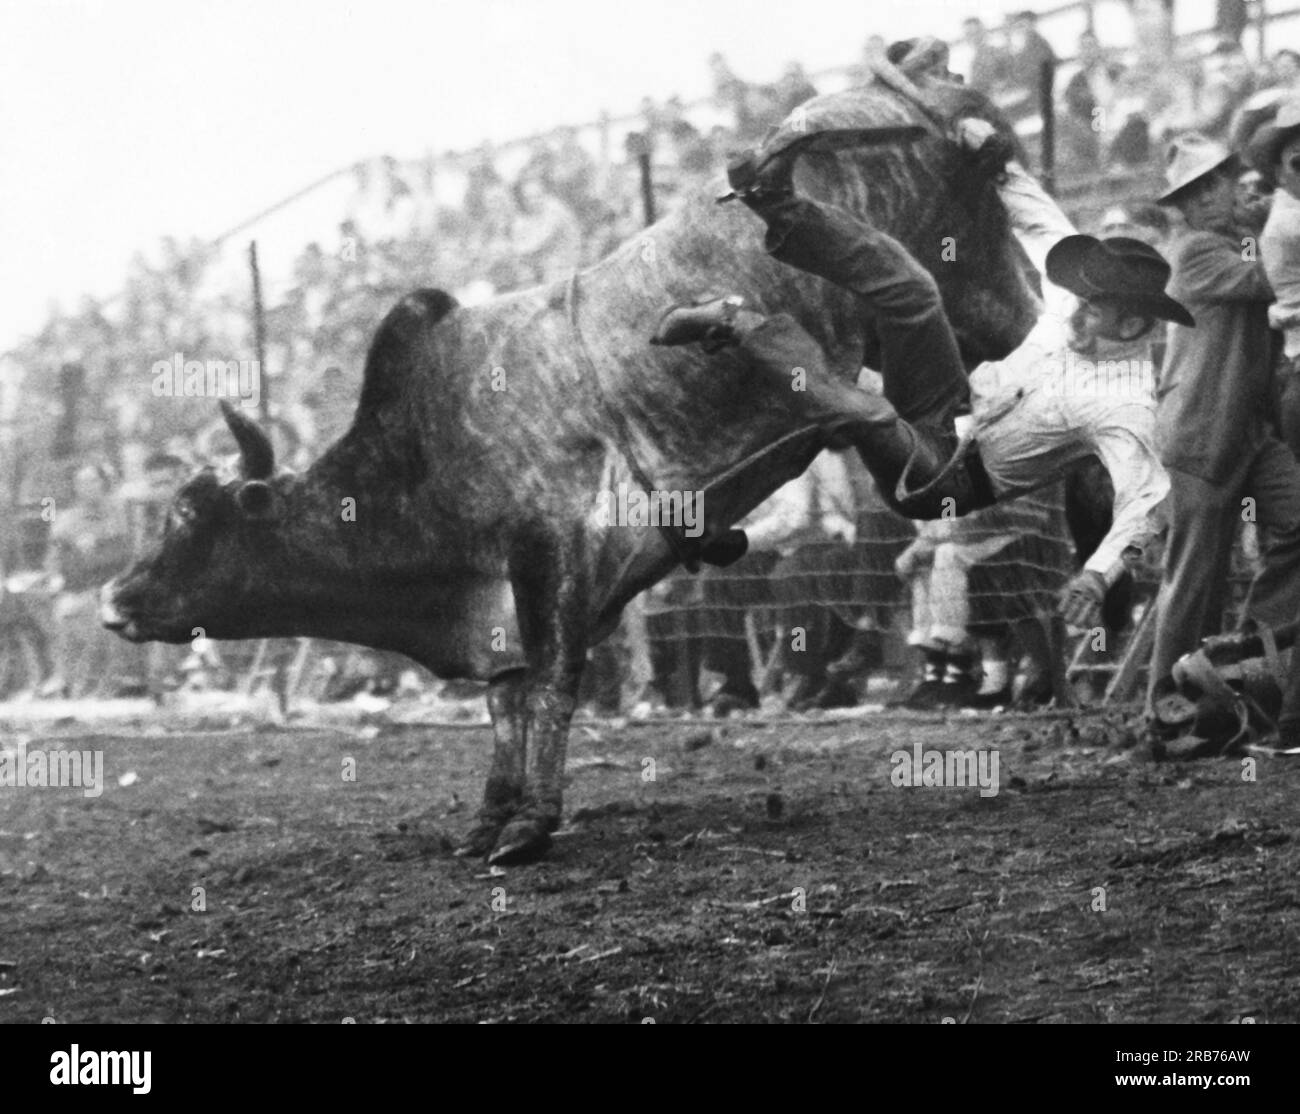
(1045, 407)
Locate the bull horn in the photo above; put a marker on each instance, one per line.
(256, 454)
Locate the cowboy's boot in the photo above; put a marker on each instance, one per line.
(925, 472)
(925, 376)
(915, 463)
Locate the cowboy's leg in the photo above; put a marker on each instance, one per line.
(888, 445)
(1274, 596)
(1202, 522)
(924, 376)
(1274, 482)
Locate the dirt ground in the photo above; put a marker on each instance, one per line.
(750, 872)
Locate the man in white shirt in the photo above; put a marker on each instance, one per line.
(1082, 382)
(1275, 151)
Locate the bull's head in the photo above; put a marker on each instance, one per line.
(209, 574)
(982, 272)
(938, 198)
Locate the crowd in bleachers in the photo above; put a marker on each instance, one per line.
(92, 443)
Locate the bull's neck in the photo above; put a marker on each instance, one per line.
(344, 521)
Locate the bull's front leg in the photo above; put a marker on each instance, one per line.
(504, 793)
(551, 599)
(528, 834)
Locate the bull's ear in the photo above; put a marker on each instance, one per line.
(256, 455)
(256, 499)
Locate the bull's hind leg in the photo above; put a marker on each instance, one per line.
(504, 792)
(551, 601)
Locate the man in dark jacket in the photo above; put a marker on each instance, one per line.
(1030, 52)
(1213, 423)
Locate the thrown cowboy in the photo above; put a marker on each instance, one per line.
(1080, 384)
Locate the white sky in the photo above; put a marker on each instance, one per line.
(121, 122)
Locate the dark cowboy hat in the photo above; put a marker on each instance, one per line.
(1116, 270)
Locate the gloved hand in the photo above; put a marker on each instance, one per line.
(1080, 600)
(973, 132)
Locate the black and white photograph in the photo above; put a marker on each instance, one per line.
(551, 512)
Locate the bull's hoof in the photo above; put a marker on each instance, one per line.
(481, 839)
(524, 840)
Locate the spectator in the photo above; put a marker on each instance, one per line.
(812, 510)
(693, 153)
(867, 591)
(1276, 153)
(329, 404)
(540, 164)
(547, 237)
(1228, 87)
(793, 89)
(936, 568)
(1090, 94)
(726, 596)
(1285, 70)
(811, 523)
(989, 68)
(90, 542)
(728, 90)
(146, 504)
(480, 178)
(573, 177)
(1029, 52)
(873, 51)
(932, 58)
(1280, 84)
(492, 244)
(1138, 220)
(1254, 202)
(1214, 422)
(1230, 20)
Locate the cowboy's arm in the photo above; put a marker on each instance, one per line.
(1210, 268)
(1036, 219)
(1141, 484)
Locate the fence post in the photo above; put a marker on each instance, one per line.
(1047, 110)
(638, 146)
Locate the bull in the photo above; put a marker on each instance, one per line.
(486, 439)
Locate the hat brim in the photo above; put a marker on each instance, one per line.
(1265, 147)
(1163, 308)
(1169, 196)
